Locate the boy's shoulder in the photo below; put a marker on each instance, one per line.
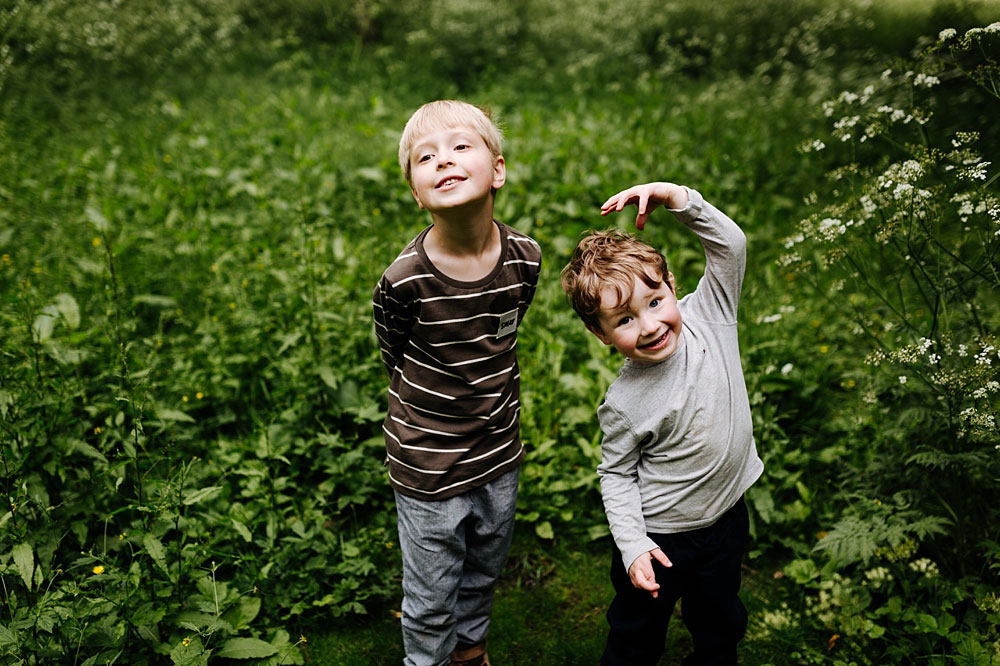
(521, 246)
(407, 263)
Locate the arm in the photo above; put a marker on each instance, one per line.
(392, 325)
(646, 198)
(718, 292)
(618, 472)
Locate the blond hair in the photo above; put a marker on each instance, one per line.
(612, 259)
(444, 114)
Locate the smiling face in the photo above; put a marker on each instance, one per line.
(647, 327)
(452, 167)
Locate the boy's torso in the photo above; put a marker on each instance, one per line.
(690, 415)
(453, 420)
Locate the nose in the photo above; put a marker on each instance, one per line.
(445, 161)
(648, 324)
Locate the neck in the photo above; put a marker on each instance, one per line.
(464, 233)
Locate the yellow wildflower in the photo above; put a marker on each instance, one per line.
(98, 570)
(97, 430)
(186, 642)
(199, 395)
(96, 242)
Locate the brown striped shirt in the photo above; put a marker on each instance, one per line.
(450, 349)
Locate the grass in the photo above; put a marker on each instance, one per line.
(549, 610)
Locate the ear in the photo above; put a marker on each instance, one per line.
(413, 191)
(499, 173)
(599, 334)
(670, 281)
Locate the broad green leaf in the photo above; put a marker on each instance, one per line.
(201, 494)
(598, 531)
(326, 374)
(7, 636)
(43, 326)
(97, 218)
(24, 562)
(191, 654)
(372, 173)
(69, 309)
(242, 530)
(155, 300)
(173, 415)
(544, 530)
(154, 547)
(246, 648)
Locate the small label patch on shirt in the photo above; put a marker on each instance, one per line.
(508, 323)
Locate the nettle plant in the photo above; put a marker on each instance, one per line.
(908, 245)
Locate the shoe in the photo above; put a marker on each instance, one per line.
(474, 655)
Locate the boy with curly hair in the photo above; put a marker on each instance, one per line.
(678, 451)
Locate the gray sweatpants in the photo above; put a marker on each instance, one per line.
(453, 552)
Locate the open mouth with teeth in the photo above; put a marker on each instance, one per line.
(658, 342)
(448, 182)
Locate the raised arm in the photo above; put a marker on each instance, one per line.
(646, 198)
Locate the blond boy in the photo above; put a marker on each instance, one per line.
(678, 451)
(447, 312)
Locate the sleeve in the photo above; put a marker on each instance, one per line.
(619, 477)
(717, 296)
(392, 324)
(529, 291)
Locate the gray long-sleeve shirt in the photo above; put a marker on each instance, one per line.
(678, 448)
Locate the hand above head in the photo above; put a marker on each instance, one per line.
(641, 570)
(646, 198)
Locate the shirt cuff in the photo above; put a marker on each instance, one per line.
(633, 550)
(692, 210)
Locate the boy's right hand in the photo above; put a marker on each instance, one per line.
(646, 198)
(641, 570)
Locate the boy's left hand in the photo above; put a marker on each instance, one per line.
(646, 198)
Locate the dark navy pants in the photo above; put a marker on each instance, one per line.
(705, 576)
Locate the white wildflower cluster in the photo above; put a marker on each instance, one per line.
(812, 146)
(895, 115)
(779, 620)
(926, 567)
(975, 172)
(878, 576)
(989, 603)
(985, 355)
(786, 369)
(834, 593)
(981, 422)
(992, 28)
(964, 138)
(830, 229)
(792, 241)
(946, 34)
(978, 203)
(925, 81)
(983, 392)
(842, 127)
(901, 172)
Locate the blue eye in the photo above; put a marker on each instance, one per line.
(654, 302)
(624, 320)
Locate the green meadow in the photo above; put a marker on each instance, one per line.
(198, 197)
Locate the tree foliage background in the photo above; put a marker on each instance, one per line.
(197, 197)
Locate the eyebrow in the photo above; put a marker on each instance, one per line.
(463, 132)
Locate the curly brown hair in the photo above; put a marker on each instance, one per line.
(613, 259)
